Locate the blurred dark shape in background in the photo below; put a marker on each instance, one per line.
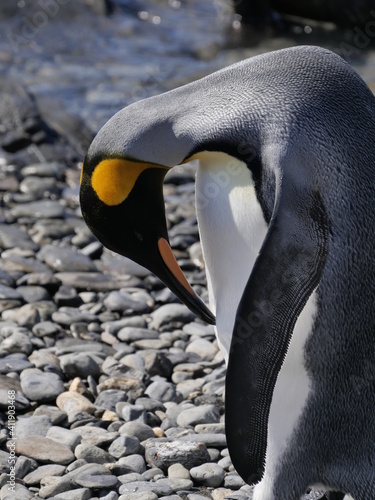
(343, 13)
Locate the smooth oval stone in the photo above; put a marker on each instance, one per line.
(42, 387)
(34, 477)
(170, 314)
(12, 363)
(211, 475)
(33, 293)
(32, 425)
(72, 402)
(44, 450)
(79, 364)
(13, 237)
(47, 209)
(63, 259)
(163, 454)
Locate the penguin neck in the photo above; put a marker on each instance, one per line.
(232, 228)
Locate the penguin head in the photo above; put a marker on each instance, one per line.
(122, 203)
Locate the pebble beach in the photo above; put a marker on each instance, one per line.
(109, 387)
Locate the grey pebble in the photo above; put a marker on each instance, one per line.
(14, 363)
(233, 481)
(163, 454)
(135, 463)
(97, 481)
(170, 314)
(96, 436)
(133, 321)
(13, 237)
(145, 486)
(33, 293)
(206, 350)
(131, 412)
(62, 259)
(76, 494)
(65, 436)
(109, 399)
(162, 391)
(208, 474)
(130, 477)
(20, 492)
(44, 450)
(79, 364)
(204, 414)
(24, 465)
(34, 477)
(125, 303)
(137, 429)
(46, 209)
(93, 454)
(41, 386)
(45, 328)
(123, 446)
(17, 342)
(69, 315)
(36, 425)
(130, 334)
(143, 495)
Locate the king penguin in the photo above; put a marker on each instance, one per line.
(285, 190)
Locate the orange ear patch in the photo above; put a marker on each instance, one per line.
(114, 178)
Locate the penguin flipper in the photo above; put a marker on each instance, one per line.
(286, 272)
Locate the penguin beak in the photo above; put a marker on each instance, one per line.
(175, 279)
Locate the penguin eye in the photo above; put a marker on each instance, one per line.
(138, 235)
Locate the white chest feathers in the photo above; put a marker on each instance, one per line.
(232, 229)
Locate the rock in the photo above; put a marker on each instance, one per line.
(178, 471)
(143, 495)
(23, 466)
(137, 429)
(32, 425)
(69, 315)
(132, 412)
(233, 481)
(93, 454)
(79, 365)
(172, 315)
(205, 349)
(77, 494)
(45, 328)
(96, 436)
(33, 293)
(145, 486)
(109, 399)
(13, 237)
(64, 436)
(135, 463)
(20, 492)
(17, 342)
(97, 481)
(162, 391)
(125, 303)
(204, 414)
(131, 334)
(211, 475)
(72, 402)
(44, 450)
(56, 416)
(34, 477)
(62, 259)
(123, 446)
(44, 209)
(163, 454)
(14, 363)
(41, 386)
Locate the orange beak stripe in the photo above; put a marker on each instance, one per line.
(171, 262)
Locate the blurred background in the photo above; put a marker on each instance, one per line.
(66, 66)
